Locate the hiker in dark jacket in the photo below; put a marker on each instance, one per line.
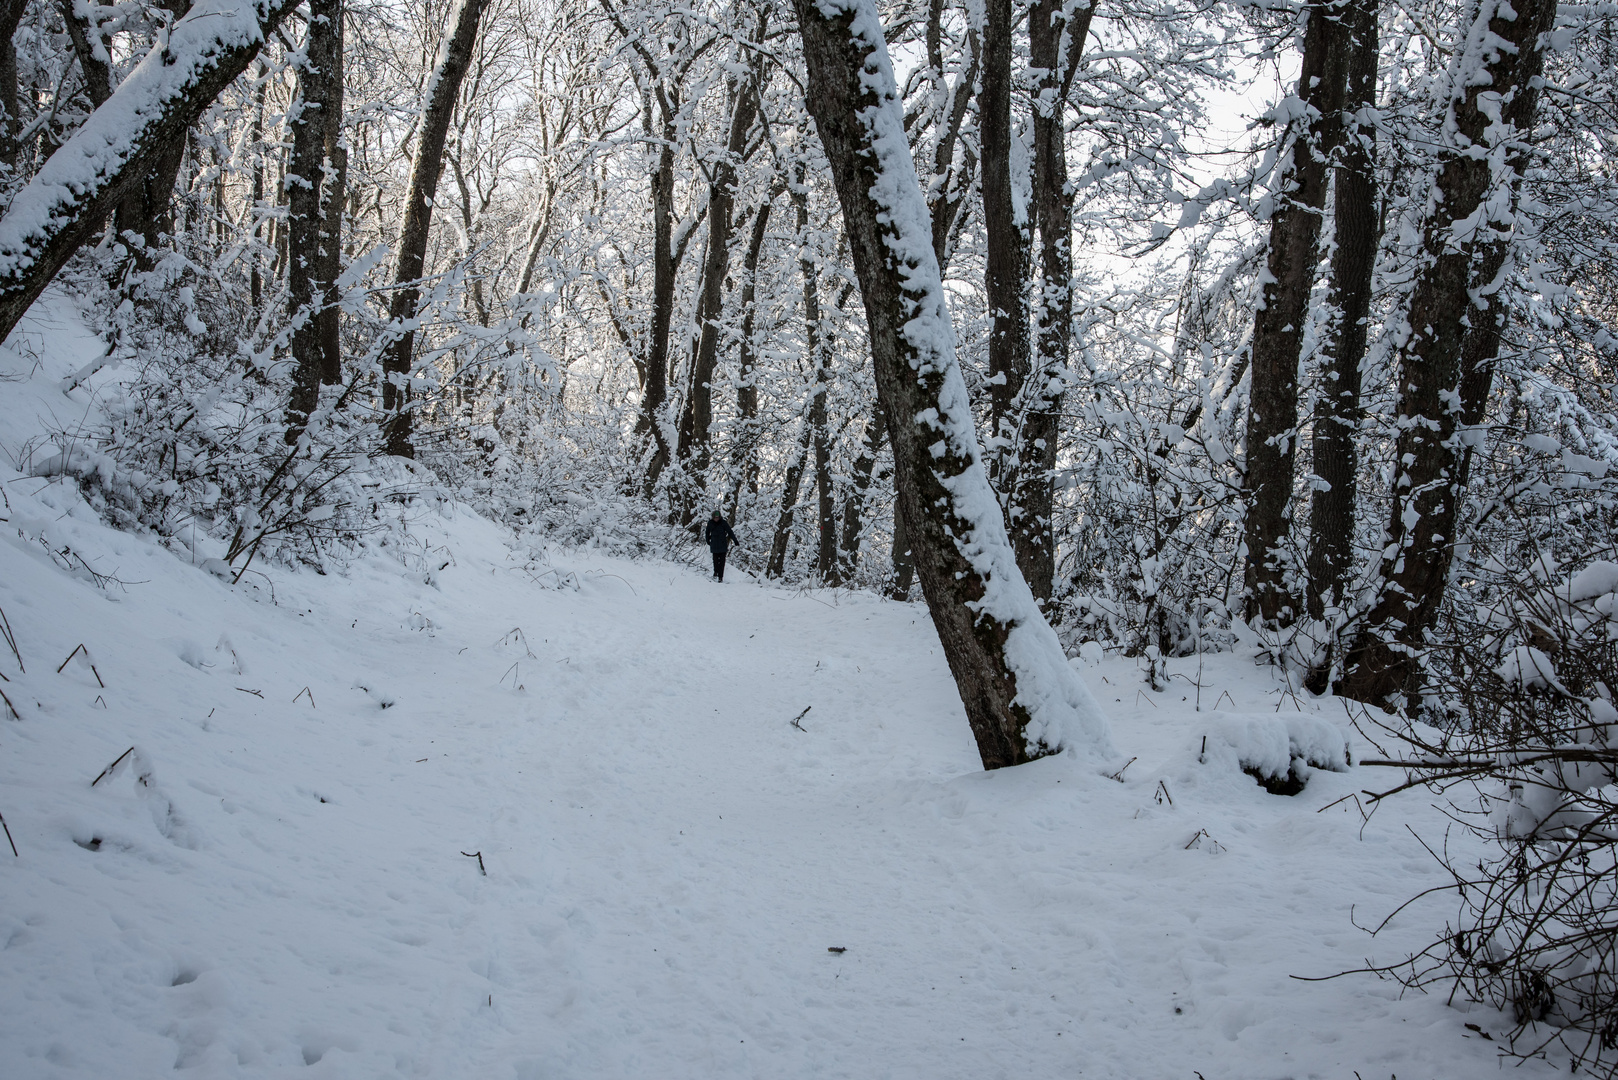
(719, 535)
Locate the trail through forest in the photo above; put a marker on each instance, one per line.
(675, 879)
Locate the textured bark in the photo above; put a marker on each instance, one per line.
(917, 377)
(97, 79)
(1272, 416)
(319, 94)
(444, 88)
(1445, 365)
(11, 12)
(1033, 496)
(745, 459)
(848, 549)
(656, 390)
(1334, 445)
(789, 503)
(819, 349)
(32, 252)
(333, 201)
(1005, 277)
(696, 417)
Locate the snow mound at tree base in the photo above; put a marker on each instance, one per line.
(1279, 751)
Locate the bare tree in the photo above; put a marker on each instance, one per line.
(1021, 698)
(443, 89)
(1446, 364)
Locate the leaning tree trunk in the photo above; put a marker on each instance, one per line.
(1272, 415)
(114, 151)
(777, 564)
(1334, 445)
(848, 549)
(820, 372)
(654, 394)
(1033, 497)
(319, 92)
(1445, 367)
(1021, 698)
(440, 107)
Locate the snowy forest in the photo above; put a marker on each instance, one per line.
(1102, 352)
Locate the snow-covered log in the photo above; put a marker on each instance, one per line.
(114, 150)
(1021, 697)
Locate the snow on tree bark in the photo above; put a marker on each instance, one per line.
(1452, 333)
(1272, 419)
(442, 90)
(1021, 697)
(115, 150)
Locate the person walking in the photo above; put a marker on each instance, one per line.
(719, 535)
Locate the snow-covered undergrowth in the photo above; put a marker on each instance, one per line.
(680, 881)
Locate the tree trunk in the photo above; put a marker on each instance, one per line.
(11, 13)
(1334, 443)
(1272, 415)
(445, 85)
(745, 460)
(848, 550)
(334, 199)
(1005, 228)
(97, 79)
(820, 385)
(789, 502)
(108, 156)
(1033, 498)
(1446, 365)
(656, 391)
(1021, 698)
(320, 94)
(696, 417)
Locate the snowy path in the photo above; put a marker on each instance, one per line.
(669, 860)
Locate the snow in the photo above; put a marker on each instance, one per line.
(272, 881)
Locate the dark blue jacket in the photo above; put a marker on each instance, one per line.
(719, 535)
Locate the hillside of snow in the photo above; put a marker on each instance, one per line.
(668, 876)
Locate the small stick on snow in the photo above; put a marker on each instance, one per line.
(11, 639)
(1162, 785)
(255, 693)
(111, 767)
(300, 694)
(15, 715)
(800, 716)
(1222, 697)
(1141, 694)
(838, 949)
(12, 842)
(76, 650)
(1119, 775)
(478, 855)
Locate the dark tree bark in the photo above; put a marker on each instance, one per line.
(1446, 365)
(871, 442)
(745, 459)
(1334, 444)
(1021, 698)
(789, 503)
(97, 79)
(320, 82)
(696, 417)
(1005, 276)
(333, 201)
(106, 160)
(1272, 415)
(429, 165)
(820, 368)
(11, 13)
(1033, 496)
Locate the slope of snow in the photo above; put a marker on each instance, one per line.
(273, 883)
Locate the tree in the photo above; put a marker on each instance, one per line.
(442, 90)
(314, 210)
(1452, 333)
(1021, 698)
(118, 148)
(1272, 417)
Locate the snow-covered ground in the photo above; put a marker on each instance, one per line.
(680, 882)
